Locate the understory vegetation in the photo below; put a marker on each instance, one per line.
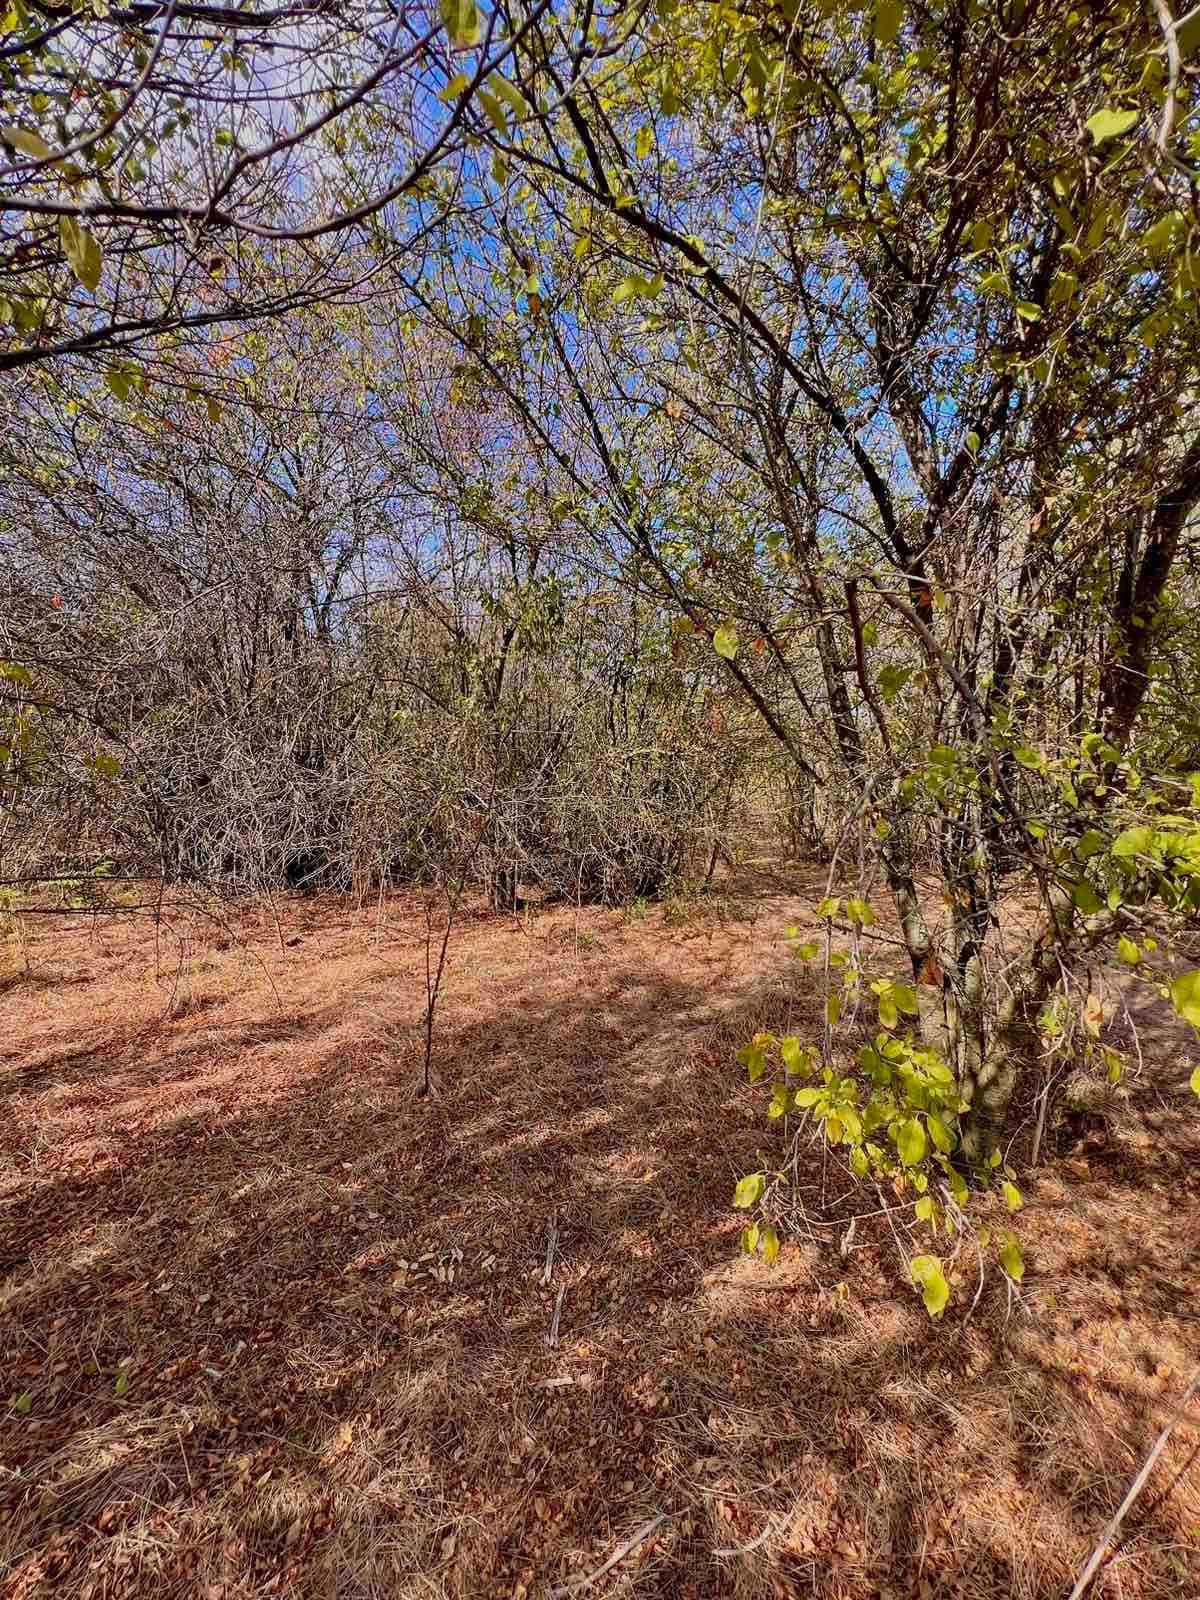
(547, 456)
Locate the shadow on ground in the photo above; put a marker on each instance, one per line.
(273, 1325)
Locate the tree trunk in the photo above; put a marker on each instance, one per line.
(988, 1045)
(1011, 1046)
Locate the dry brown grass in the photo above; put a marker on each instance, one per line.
(212, 1170)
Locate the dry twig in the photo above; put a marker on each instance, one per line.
(638, 1537)
(1135, 1488)
(552, 1336)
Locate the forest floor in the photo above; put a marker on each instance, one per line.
(272, 1325)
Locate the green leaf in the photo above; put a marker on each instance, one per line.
(454, 88)
(1028, 312)
(770, 1245)
(23, 1404)
(1094, 745)
(889, 1015)
(82, 252)
(796, 1059)
(463, 23)
(1194, 1080)
(829, 908)
(923, 1210)
(1110, 124)
(510, 94)
(749, 1191)
(891, 680)
(1063, 288)
(122, 1385)
(635, 286)
(905, 997)
(725, 641)
(888, 16)
(643, 145)
(754, 1058)
(1133, 842)
(1129, 950)
(494, 107)
(1012, 1196)
(833, 1009)
(1086, 898)
(806, 952)
(910, 1142)
(973, 443)
(940, 1134)
(749, 1239)
(860, 912)
(1011, 1259)
(1034, 760)
(935, 1291)
(1159, 238)
(1185, 997)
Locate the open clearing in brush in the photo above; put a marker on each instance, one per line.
(271, 1325)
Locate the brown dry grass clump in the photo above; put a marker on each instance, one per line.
(229, 1372)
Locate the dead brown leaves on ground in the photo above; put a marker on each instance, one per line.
(273, 1326)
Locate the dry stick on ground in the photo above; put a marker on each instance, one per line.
(639, 1536)
(551, 1245)
(552, 1336)
(755, 1543)
(433, 978)
(1135, 1488)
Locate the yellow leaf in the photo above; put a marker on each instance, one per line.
(935, 1291)
(463, 23)
(1011, 1259)
(1110, 124)
(454, 88)
(27, 144)
(725, 641)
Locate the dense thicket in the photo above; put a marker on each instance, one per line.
(267, 648)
